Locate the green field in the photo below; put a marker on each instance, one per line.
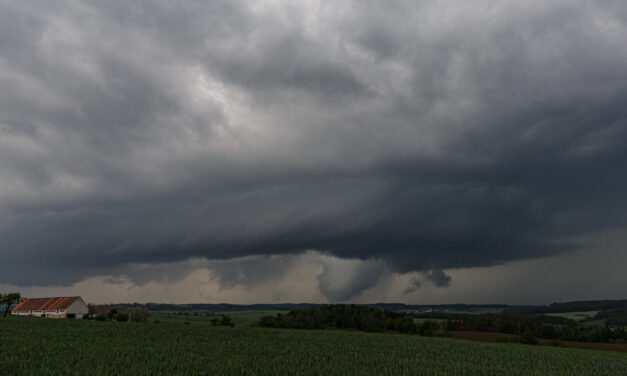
(478, 311)
(577, 316)
(420, 321)
(595, 323)
(580, 316)
(36, 346)
(240, 318)
(247, 318)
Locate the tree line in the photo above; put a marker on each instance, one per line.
(590, 305)
(539, 326)
(614, 317)
(352, 317)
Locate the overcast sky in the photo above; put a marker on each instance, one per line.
(324, 151)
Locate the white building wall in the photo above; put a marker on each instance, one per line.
(78, 308)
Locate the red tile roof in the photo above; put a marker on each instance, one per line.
(39, 304)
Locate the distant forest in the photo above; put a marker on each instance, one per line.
(224, 307)
(342, 317)
(592, 305)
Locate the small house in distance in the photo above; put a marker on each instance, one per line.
(58, 307)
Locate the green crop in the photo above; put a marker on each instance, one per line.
(35, 346)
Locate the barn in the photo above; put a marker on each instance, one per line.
(57, 307)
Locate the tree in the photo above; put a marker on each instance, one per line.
(112, 313)
(139, 315)
(8, 300)
(121, 317)
(100, 318)
(226, 321)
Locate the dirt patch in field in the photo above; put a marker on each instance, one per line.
(492, 337)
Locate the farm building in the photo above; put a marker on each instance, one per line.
(58, 307)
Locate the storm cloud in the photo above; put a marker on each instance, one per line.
(414, 136)
(436, 278)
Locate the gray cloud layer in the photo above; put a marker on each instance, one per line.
(424, 135)
(435, 277)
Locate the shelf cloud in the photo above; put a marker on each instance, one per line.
(413, 137)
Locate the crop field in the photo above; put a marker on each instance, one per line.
(74, 347)
(493, 337)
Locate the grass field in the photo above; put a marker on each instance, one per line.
(492, 337)
(478, 311)
(595, 322)
(240, 318)
(168, 317)
(577, 316)
(38, 346)
(247, 318)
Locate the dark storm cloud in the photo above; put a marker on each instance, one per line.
(249, 272)
(423, 135)
(435, 277)
(438, 278)
(414, 284)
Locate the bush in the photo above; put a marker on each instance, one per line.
(226, 321)
(407, 325)
(187, 322)
(431, 328)
(375, 327)
(139, 315)
(121, 317)
(157, 322)
(264, 322)
(100, 318)
(528, 339)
